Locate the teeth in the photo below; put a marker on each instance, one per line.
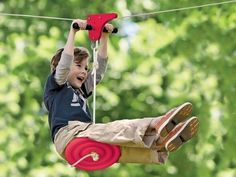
(81, 78)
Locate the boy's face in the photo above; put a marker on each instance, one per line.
(78, 73)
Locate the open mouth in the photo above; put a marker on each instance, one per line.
(80, 78)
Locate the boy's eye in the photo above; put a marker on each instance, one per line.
(79, 65)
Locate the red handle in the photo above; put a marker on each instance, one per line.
(98, 21)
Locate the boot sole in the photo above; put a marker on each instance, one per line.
(180, 115)
(183, 135)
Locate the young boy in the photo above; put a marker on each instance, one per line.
(66, 92)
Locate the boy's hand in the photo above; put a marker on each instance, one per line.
(109, 27)
(82, 24)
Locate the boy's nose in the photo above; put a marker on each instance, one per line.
(83, 71)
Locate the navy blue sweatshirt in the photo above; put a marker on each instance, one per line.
(65, 103)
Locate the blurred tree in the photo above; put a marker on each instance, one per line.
(160, 61)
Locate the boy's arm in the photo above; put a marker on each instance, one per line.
(102, 60)
(65, 62)
(63, 68)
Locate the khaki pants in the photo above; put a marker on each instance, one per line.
(136, 140)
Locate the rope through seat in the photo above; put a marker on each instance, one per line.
(87, 154)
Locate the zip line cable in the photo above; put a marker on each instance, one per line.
(130, 16)
(36, 16)
(179, 9)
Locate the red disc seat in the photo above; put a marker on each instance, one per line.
(106, 154)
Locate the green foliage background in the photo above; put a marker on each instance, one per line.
(171, 58)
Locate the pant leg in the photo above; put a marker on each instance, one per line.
(130, 133)
(136, 139)
(142, 155)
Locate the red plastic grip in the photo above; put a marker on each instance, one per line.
(98, 21)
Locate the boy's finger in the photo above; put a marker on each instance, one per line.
(109, 27)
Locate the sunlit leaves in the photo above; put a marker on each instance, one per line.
(155, 63)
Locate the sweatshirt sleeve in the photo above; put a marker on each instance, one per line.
(63, 68)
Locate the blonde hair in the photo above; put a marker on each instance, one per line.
(80, 53)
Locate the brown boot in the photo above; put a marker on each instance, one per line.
(172, 118)
(182, 133)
